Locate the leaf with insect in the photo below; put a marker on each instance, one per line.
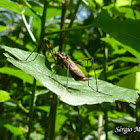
(78, 93)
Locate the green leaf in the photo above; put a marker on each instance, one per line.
(13, 129)
(10, 5)
(127, 12)
(125, 121)
(36, 135)
(131, 81)
(91, 3)
(99, 2)
(4, 96)
(122, 71)
(53, 12)
(115, 45)
(44, 108)
(19, 74)
(60, 120)
(79, 92)
(126, 33)
(123, 3)
(2, 28)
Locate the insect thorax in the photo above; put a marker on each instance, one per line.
(61, 57)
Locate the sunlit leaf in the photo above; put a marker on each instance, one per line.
(123, 2)
(10, 5)
(99, 2)
(2, 28)
(4, 96)
(79, 92)
(128, 12)
(44, 108)
(131, 81)
(53, 12)
(91, 3)
(14, 129)
(60, 120)
(122, 71)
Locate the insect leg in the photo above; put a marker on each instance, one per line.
(95, 75)
(30, 55)
(91, 59)
(67, 76)
(25, 61)
(88, 72)
(47, 43)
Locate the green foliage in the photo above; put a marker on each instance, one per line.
(18, 73)
(13, 129)
(108, 31)
(4, 96)
(10, 5)
(2, 28)
(125, 32)
(131, 81)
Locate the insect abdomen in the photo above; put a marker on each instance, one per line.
(76, 73)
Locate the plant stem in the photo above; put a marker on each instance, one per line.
(74, 14)
(105, 62)
(105, 78)
(70, 29)
(28, 28)
(31, 111)
(43, 19)
(62, 26)
(137, 112)
(30, 7)
(106, 123)
(50, 129)
(100, 126)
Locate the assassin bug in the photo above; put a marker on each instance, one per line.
(75, 71)
(63, 60)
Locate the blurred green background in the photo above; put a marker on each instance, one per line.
(107, 30)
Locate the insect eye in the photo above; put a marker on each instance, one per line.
(62, 53)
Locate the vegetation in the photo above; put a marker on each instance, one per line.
(34, 101)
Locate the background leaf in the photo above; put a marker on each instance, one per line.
(10, 5)
(13, 129)
(4, 96)
(19, 74)
(2, 28)
(126, 33)
(131, 81)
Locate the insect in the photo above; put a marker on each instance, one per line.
(64, 61)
